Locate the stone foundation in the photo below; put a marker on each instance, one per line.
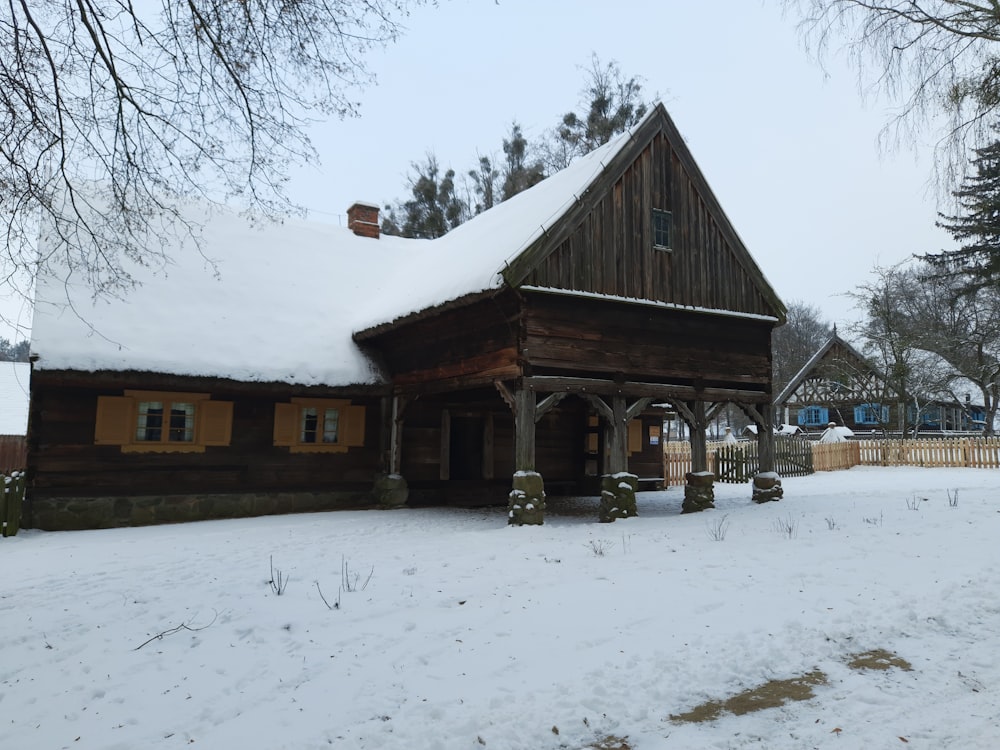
(526, 502)
(73, 513)
(767, 487)
(699, 492)
(391, 491)
(617, 496)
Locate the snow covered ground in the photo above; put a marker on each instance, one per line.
(470, 634)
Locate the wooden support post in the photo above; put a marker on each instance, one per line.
(524, 430)
(391, 490)
(526, 502)
(766, 483)
(399, 404)
(617, 437)
(699, 492)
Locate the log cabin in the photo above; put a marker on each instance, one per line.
(301, 367)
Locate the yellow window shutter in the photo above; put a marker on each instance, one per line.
(114, 420)
(354, 430)
(635, 436)
(286, 419)
(215, 422)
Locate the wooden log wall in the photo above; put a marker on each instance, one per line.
(65, 462)
(464, 347)
(611, 251)
(559, 439)
(597, 337)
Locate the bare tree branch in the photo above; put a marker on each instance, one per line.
(113, 119)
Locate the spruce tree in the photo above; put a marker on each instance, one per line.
(976, 227)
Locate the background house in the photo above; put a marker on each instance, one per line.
(838, 384)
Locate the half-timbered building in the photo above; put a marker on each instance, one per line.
(296, 366)
(840, 385)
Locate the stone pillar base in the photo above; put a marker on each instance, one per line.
(699, 492)
(767, 487)
(617, 496)
(526, 502)
(391, 491)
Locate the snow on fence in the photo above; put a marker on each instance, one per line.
(736, 462)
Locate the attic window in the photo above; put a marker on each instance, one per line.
(661, 229)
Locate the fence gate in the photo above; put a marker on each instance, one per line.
(793, 457)
(735, 463)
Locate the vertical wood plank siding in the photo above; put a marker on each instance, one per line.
(611, 252)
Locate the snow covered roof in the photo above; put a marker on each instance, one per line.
(14, 377)
(279, 303)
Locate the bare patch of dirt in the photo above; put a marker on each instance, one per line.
(771, 694)
(879, 659)
(611, 743)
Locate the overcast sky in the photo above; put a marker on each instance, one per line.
(789, 148)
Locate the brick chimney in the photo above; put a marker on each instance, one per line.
(362, 219)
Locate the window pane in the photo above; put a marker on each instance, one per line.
(150, 425)
(181, 423)
(331, 421)
(661, 228)
(310, 421)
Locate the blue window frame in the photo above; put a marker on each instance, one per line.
(814, 416)
(871, 414)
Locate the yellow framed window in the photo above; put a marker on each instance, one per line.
(163, 421)
(310, 425)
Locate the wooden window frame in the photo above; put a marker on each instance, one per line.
(288, 420)
(117, 422)
(657, 215)
(806, 412)
(871, 414)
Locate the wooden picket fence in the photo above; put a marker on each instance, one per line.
(13, 453)
(973, 453)
(11, 500)
(737, 462)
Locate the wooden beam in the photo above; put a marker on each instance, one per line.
(524, 430)
(399, 404)
(617, 437)
(600, 405)
(637, 408)
(505, 393)
(582, 386)
(547, 403)
(714, 409)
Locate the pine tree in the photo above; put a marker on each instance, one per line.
(976, 227)
(434, 209)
